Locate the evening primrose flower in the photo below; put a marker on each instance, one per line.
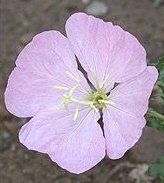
(66, 104)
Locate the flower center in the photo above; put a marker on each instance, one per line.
(95, 100)
(98, 97)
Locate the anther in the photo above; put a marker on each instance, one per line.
(72, 76)
(104, 81)
(106, 102)
(76, 113)
(61, 87)
(72, 90)
(92, 106)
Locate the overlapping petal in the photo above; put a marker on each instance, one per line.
(41, 65)
(122, 131)
(133, 95)
(105, 49)
(74, 145)
(123, 122)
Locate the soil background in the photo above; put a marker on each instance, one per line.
(20, 20)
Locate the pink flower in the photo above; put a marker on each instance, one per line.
(46, 85)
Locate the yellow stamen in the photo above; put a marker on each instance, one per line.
(94, 108)
(61, 87)
(104, 81)
(82, 102)
(94, 75)
(76, 113)
(72, 76)
(107, 102)
(72, 90)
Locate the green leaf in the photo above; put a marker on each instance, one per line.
(160, 64)
(157, 169)
(155, 120)
(156, 124)
(160, 67)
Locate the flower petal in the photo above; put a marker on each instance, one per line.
(122, 131)
(103, 49)
(41, 65)
(45, 52)
(74, 145)
(133, 96)
(124, 121)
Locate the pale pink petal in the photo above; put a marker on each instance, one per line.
(45, 52)
(133, 95)
(74, 145)
(103, 49)
(122, 130)
(27, 93)
(124, 121)
(41, 65)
